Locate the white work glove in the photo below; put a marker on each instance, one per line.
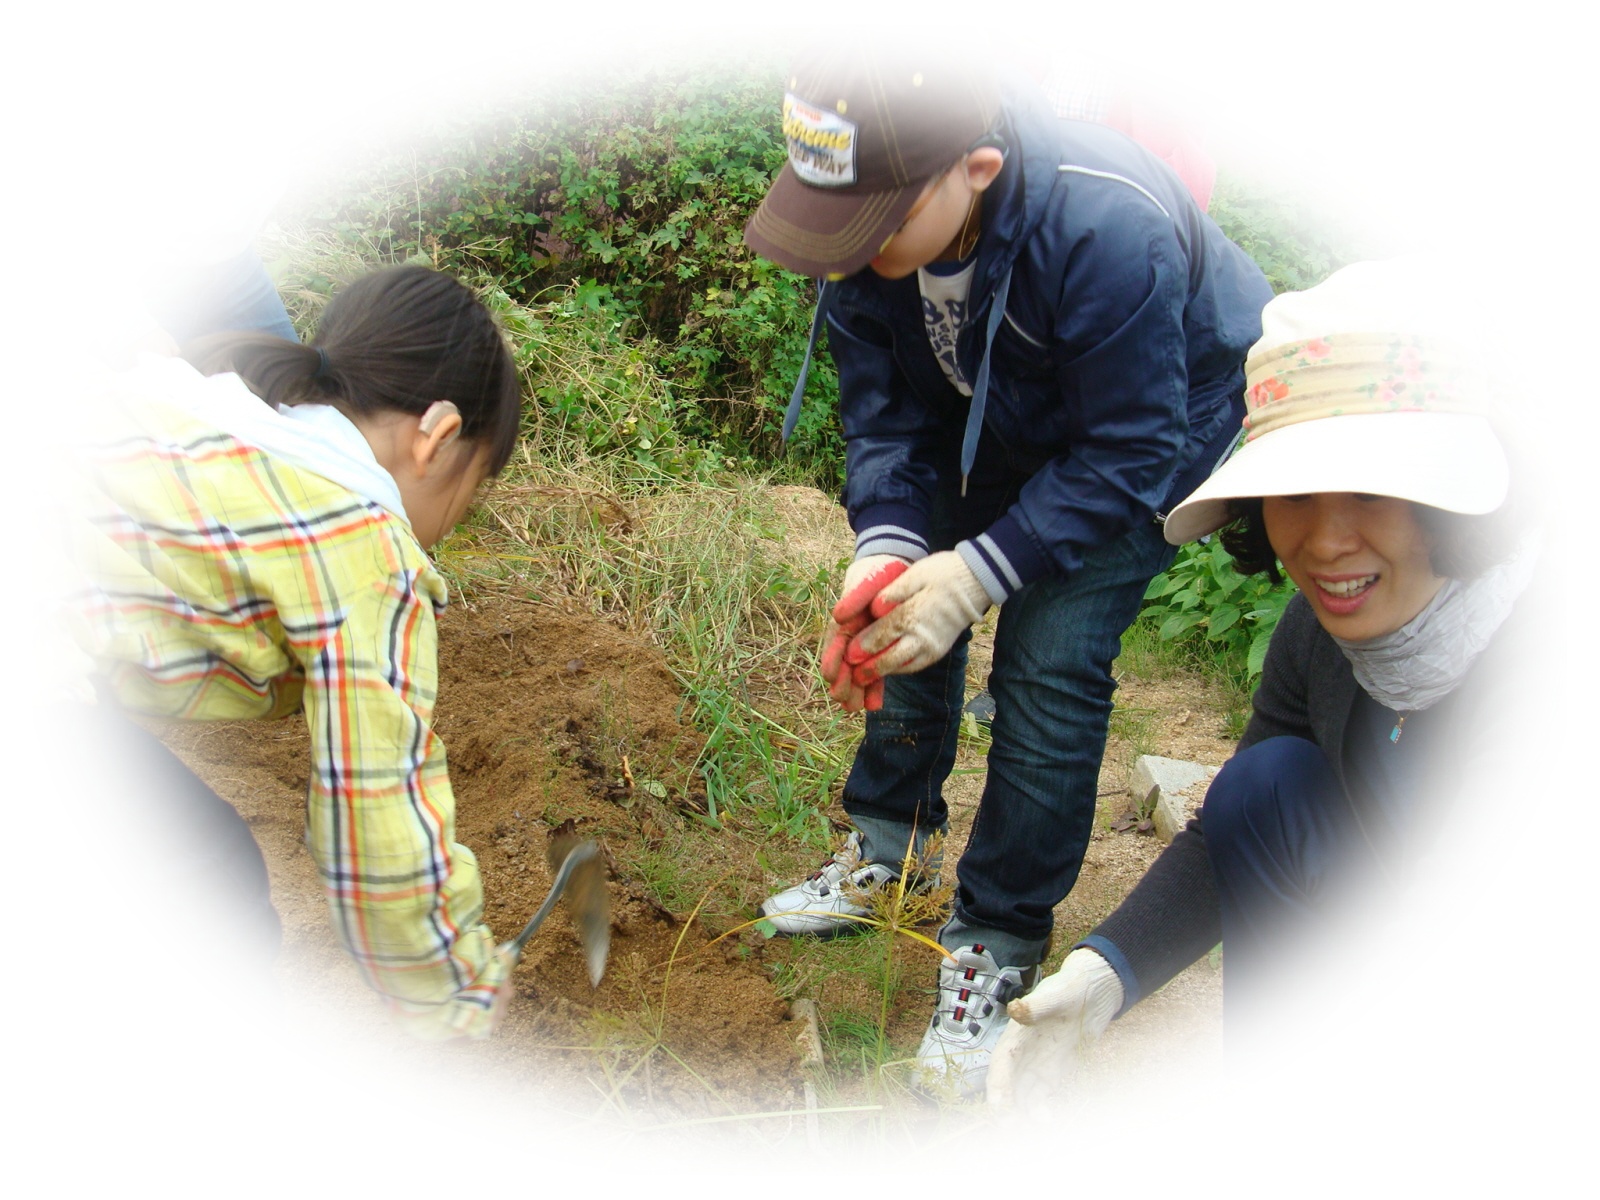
(917, 618)
(1038, 1053)
(866, 577)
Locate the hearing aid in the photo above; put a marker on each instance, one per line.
(436, 412)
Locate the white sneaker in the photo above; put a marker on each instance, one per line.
(821, 905)
(969, 1018)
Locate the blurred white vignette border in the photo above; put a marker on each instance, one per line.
(1450, 135)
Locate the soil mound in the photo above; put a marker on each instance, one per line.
(554, 722)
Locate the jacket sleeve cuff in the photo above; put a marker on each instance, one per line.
(894, 529)
(1003, 559)
(469, 1012)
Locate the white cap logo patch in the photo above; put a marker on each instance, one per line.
(822, 145)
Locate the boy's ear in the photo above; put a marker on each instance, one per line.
(440, 425)
(983, 165)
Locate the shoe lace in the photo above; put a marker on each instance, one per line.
(970, 995)
(842, 862)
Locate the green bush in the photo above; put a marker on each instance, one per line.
(596, 381)
(1295, 245)
(630, 194)
(1203, 602)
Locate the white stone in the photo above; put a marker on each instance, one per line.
(1169, 790)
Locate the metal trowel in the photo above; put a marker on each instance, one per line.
(581, 875)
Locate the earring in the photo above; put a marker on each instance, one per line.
(963, 245)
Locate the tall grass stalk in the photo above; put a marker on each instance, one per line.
(694, 561)
(697, 569)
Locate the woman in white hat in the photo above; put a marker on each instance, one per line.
(1371, 470)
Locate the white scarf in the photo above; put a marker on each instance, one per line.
(1424, 660)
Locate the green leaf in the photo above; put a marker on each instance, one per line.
(766, 929)
(1223, 618)
(1258, 653)
(1178, 625)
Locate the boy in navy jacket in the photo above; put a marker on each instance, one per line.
(1039, 339)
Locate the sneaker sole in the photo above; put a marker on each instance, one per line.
(842, 929)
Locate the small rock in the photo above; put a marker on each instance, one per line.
(1173, 788)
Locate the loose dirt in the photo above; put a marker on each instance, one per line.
(556, 721)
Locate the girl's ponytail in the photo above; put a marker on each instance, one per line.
(398, 339)
(279, 371)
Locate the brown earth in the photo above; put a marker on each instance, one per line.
(557, 721)
(546, 715)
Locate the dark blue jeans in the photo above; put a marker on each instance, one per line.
(1280, 833)
(1051, 682)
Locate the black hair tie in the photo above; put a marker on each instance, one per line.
(322, 364)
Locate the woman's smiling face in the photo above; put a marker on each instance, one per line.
(1362, 561)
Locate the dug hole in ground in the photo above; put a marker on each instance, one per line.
(557, 721)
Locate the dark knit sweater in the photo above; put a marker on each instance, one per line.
(1308, 690)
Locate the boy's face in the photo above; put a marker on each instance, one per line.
(938, 222)
(933, 226)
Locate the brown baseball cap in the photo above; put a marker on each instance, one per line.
(866, 130)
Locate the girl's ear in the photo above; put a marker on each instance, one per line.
(439, 426)
(983, 165)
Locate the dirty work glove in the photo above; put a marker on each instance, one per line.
(1050, 1029)
(865, 578)
(917, 618)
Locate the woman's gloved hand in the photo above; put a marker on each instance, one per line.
(1050, 1030)
(917, 618)
(866, 577)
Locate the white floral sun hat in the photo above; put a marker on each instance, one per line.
(1368, 382)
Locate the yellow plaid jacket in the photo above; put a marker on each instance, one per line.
(223, 584)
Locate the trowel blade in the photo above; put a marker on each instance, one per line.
(588, 904)
(595, 932)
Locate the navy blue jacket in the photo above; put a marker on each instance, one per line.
(1116, 376)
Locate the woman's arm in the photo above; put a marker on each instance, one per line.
(1280, 706)
(1171, 917)
(1169, 920)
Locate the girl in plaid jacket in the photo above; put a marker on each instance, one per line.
(252, 533)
